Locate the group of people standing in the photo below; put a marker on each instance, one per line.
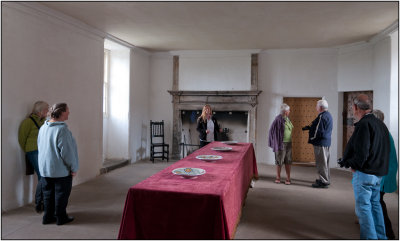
(320, 131)
(370, 153)
(51, 150)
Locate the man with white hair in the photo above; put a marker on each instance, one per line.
(320, 131)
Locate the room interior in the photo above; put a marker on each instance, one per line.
(171, 57)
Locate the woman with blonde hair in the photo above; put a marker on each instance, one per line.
(207, 126)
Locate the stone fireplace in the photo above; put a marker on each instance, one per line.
(220, 101)
(244, 101)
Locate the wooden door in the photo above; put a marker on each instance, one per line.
(302, 112)
(348, 117)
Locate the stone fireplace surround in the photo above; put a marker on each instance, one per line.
(219, 101)
(235, 100)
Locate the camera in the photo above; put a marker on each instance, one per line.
(343, 163)
(306, 128)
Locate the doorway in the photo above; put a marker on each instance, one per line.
(302, 113)
(348, 117)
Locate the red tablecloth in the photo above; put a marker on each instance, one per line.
(166, 206)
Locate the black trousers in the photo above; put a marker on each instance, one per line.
(56, 193)
(203, 143)
(388, 224)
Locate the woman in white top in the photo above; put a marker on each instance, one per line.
(207, 126)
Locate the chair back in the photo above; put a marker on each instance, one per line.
(156, 130)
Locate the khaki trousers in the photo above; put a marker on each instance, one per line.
(322, 156)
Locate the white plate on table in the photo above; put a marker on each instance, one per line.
(188, 172)
(221, 148)
(230, 142)
(209, 157)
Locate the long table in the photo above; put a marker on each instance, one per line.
(167, 206)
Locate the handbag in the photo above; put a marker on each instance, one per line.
(29, 170)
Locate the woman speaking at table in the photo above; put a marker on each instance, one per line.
(207, 126)
(58, 163)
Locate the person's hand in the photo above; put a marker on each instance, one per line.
(207, 131)
(73, 174)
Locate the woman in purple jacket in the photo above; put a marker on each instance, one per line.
(280, 140)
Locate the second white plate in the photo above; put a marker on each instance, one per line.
(230, 142)
(221, 148)
(209, 157)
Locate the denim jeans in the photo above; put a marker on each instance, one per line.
(368, 208)
(33, 158)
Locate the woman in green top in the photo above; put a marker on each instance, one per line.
(280, 140)
(27, 138)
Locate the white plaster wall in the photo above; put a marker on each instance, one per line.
(377, 60)
(214, 70)
(117, 144)
(161, 73)
(45, 58)
(294, 73)
(394, 88)
(355, 68)
(381, 77)
(139, 105)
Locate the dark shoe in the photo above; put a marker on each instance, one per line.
(319, 181)
(39, 208)
(49, 220)
(319, 185)
(62, 221)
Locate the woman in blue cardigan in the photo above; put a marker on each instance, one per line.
(58, 163)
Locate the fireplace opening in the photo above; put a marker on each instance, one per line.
(234, 125)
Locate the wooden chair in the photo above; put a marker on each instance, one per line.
(158, 148)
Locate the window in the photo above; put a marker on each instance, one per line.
(106, 82)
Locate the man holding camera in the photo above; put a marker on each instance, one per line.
(367, 153)
(320, 131)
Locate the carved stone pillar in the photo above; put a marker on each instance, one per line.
(175, 78)
(176, 115)
(177, 129)
(254, 72)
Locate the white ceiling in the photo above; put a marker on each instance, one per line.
(164, 26)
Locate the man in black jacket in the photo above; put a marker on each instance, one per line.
(367, 153)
